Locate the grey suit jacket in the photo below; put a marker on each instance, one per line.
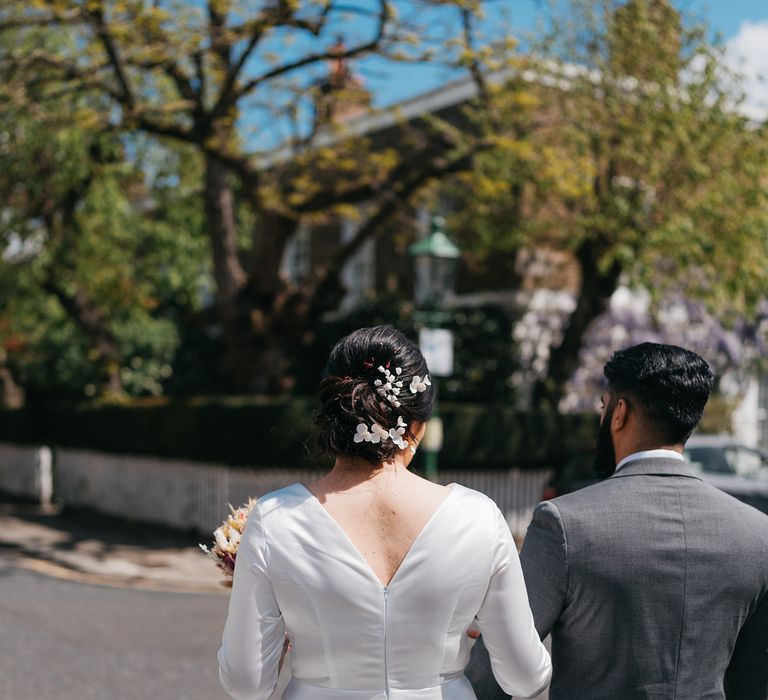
(650, 582)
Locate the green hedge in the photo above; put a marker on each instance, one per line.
(269, 432)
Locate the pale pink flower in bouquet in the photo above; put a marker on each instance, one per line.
(226, 540)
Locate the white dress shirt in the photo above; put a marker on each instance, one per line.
(649, 454)
(299, 573)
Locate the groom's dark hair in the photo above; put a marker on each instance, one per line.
(669, 385)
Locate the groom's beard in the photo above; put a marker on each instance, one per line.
(605, 459)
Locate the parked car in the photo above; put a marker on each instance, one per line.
(720, 460)
(723, 461)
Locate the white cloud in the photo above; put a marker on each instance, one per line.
(748, 54)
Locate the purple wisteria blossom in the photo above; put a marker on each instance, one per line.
(734, 353)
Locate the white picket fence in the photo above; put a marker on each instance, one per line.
(193, 495)
(26, 471)
(180, 493)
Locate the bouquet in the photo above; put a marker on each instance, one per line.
(227, 539)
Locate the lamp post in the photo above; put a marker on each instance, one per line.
(435, 259)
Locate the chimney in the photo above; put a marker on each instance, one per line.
(341, 95)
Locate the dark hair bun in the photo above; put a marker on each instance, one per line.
(348, 394)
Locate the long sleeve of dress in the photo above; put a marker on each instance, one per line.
(254, 631)
(519, 660)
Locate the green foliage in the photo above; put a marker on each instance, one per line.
(633, 162)
(101, 251)
(643, 155)
(232, 81)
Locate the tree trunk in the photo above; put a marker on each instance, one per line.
(232, 309)
(222, 230)
(594, 295)
(270, 238)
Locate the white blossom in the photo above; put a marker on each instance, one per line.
(418, 384)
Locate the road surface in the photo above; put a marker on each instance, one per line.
(63, 640)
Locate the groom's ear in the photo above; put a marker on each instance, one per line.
(620, 415)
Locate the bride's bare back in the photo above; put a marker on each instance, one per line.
(382, 515)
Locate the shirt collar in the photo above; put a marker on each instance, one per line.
(649, 454)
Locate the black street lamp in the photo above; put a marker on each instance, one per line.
(436, 259)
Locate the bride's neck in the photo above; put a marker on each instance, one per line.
(349, 472)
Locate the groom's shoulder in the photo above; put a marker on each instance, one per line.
(602, 497)
(601, 491)
(698, 499)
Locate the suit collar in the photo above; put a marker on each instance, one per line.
(656, 466)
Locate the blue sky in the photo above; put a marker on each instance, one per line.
(729, 16)
(743, 23)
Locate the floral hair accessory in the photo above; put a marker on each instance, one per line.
(418, 384)
(391, 386)
(376, 433)
(396, 434)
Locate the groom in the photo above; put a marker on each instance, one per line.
(652, 583)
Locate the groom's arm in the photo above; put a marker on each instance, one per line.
(746, 677)
(544, 558)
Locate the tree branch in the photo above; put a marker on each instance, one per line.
(418, 161)
(385, 13)
(474, 65)
(70, 71)
(68, 17)
(396, 198)
(283, 15)
(115, 59)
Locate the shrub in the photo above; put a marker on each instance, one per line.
(254, 432)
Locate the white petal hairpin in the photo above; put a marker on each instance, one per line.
(362, 433)
(396, 434)
(378, 434)
(390, 387)
(400, 442)
(418, 384)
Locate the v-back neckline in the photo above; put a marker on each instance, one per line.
(357, 551)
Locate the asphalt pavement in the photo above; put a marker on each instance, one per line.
(67, 640)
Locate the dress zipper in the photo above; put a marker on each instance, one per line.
(386, 670)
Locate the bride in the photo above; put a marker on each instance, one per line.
(373, 573)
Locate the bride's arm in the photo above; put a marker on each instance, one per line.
(254, 633)
(520, 662)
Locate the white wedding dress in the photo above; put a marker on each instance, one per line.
(354, 638)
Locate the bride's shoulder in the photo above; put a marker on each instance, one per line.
(473, 498)
(284, 498)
